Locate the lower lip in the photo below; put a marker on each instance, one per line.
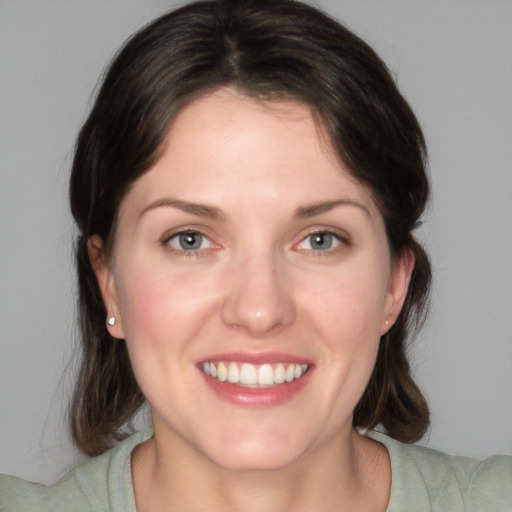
(257, 397)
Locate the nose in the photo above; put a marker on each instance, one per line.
(259, 296)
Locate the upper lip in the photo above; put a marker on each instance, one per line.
(256, 358)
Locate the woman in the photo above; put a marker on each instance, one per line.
(245, 188)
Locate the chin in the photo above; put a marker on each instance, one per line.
(254, 461)
(259, 453)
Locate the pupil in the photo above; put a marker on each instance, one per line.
(321, 241)
(190, 241)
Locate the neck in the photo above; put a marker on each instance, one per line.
(349, 473)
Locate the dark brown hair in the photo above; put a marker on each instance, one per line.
(267, 49)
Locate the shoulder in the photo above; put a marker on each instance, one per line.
(97, 484)
(435, 481)
(18, 495)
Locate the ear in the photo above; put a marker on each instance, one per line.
(105, 277)
(400, 278)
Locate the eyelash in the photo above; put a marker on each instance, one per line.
(166, 239)
(342, 241)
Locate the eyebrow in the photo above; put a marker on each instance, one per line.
(211, 212)
(311, 210)
(200, 210)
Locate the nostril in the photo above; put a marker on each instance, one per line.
(257, 299)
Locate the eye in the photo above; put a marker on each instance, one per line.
(189, 241)
(320, 241)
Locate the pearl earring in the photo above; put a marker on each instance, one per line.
(386, 322)
(111, 320)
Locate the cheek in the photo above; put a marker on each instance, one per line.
(348, 305)
(160, 311)
(154, 294)
(346, 311)
(141, 299)
(140, 302)
(161, 316)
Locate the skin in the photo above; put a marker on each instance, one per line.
(255, 285)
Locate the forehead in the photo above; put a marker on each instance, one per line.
(262, 151)
(226, 111)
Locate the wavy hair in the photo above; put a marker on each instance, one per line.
(267, 49)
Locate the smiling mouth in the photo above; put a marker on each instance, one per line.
(254, 376)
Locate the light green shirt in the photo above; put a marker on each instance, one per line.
(422, 480)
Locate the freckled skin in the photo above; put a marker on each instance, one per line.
(254, 285)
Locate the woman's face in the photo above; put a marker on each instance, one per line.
(251, 278)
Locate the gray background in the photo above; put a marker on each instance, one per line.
(453, 61)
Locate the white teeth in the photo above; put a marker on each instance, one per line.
(222, 372)
(265, 375)
(280, 374)
(250, 375)
(233, 373)
(290, 373)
